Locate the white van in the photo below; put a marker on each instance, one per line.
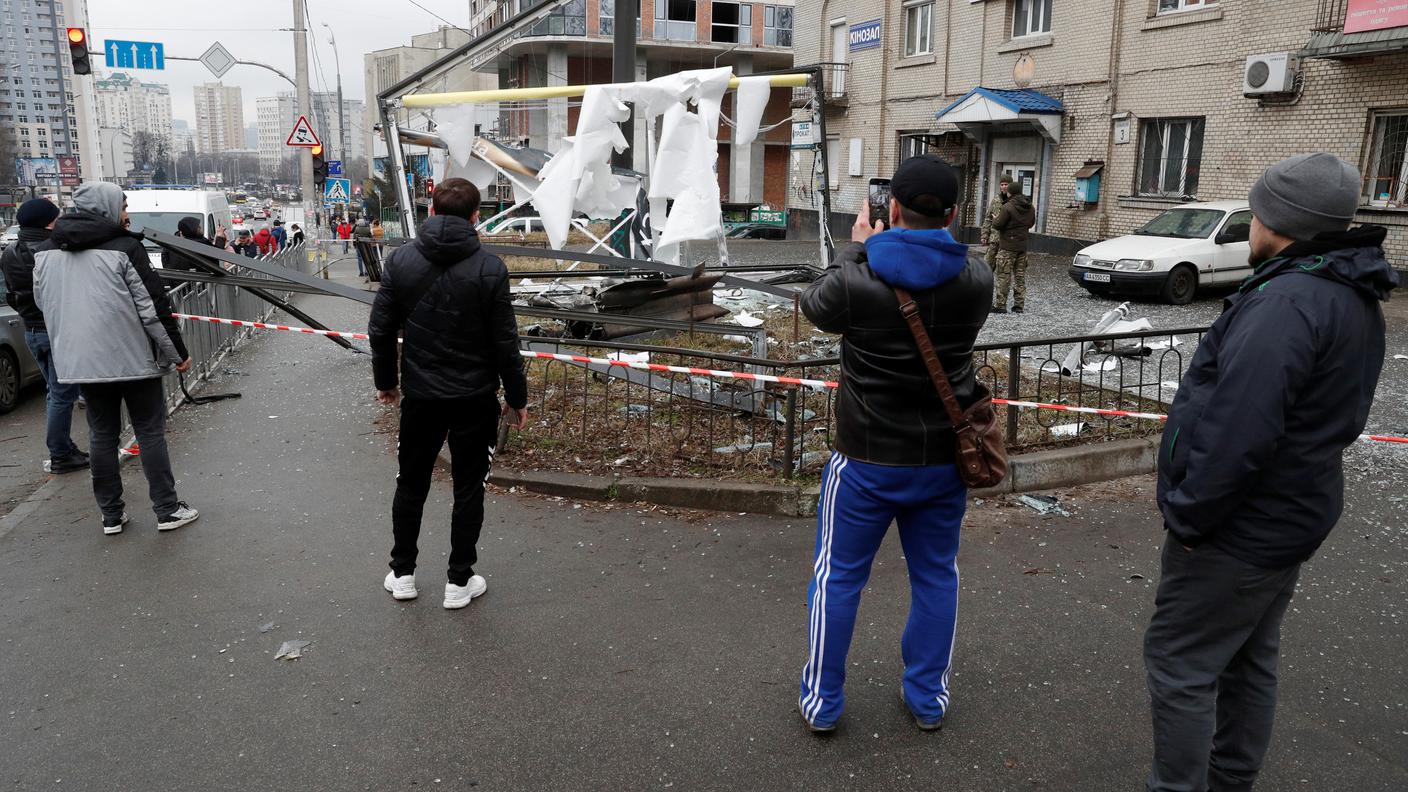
(161, 210)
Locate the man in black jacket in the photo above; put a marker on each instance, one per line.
(1250, 469)
(895, 445)
(36, 217)
(451, 301)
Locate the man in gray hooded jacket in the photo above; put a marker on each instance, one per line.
(113, 334)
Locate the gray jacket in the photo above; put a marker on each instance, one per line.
(105, 307)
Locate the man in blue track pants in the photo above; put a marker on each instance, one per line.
(895, 445)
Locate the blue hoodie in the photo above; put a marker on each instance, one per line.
(916, 259)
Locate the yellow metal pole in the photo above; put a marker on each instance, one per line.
(553, 92)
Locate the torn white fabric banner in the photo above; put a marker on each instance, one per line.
(749, 102)
(455, 124)
(476, 170)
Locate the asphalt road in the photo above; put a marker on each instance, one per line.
(619, 648)
(22, 447)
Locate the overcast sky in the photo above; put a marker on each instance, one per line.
(249, 30)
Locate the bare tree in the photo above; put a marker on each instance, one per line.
(151, 152)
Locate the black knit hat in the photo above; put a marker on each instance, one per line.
(36, 213)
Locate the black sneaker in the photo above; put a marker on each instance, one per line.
(1017, 309)
(69, 464)
(999, 310)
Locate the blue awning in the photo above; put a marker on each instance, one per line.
(999, 105)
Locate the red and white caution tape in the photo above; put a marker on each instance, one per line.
(738, 375)
(267, 326)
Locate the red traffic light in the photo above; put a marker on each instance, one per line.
(76, 35)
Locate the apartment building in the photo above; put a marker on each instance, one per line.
(43, 105)
(219, 118)
(1148, 103)
(387, 67)
(122, 102)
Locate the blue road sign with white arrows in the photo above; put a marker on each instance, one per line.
(334, 167)
(134, 54)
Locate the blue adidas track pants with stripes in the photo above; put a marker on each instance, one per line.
(858, 502)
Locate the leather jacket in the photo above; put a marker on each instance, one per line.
(888, 411)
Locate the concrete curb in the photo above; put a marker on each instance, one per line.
(1042, 470)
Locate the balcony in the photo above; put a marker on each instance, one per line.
(1356, 29)
(834, 77)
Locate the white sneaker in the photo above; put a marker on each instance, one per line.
(114, 526)
(184, 515)
(459, 596)
(401, 588)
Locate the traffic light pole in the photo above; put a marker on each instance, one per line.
(311, 202)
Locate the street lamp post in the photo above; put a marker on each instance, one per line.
(341, 111)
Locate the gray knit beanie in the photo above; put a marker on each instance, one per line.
(1307, 194)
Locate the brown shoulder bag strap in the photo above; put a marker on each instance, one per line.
(931, 359)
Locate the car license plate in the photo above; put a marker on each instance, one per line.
(1098, 277)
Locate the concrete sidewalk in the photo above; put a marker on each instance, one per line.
(617, 647)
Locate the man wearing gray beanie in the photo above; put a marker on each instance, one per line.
(1250, 468)
(114, 336)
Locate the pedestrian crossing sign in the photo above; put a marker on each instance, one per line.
(302, 134)
(337, 191)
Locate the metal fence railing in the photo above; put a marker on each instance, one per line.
(589, 418)
(209, 343)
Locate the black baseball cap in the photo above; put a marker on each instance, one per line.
(925, 184)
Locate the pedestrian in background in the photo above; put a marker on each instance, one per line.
(344, 232)
(362, 234)
(265, 242)
(35, 218)
(114, 335)
(989, 237)
(280, 235)
(1012, 222)
(895, 443)
(244, 244)
(297, 234)
(1250, 469)
(449, 301)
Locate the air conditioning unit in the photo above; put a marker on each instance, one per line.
(1270, 74)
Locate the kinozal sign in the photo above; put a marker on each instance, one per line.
(1365, 15)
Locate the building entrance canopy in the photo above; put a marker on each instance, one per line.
(982, 110)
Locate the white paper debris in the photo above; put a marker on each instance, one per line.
(1066, 430)
(628, 357)
(746, 319)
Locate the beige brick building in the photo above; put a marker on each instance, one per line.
(1149, 94)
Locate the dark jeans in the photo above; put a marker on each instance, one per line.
(472, 428)
(1211, 652)
(146, 406)
(60, 399)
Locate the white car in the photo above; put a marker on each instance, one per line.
(1184, 249)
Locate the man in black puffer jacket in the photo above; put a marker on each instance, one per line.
(451, 301)
(895, 445)
(1250, 470)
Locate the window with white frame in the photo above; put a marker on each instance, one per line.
(1030, 17)
(1170, 156)
(675, 20)
(918, 27)
(1386, 178)
(1174, 6)
(913, 144)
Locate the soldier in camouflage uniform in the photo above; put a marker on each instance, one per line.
(989, 236)
(1011, 225)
